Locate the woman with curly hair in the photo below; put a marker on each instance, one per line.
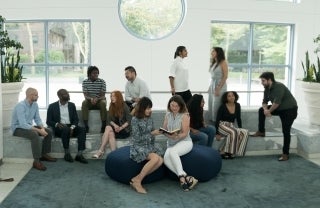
(119, 119)
(236, 137)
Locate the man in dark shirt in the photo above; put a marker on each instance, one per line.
(283, 104)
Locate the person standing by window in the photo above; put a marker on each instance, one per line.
(219, 74)
(179, 75)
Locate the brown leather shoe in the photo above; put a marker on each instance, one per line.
(39, 166)
(46, 157)
(258, 134)
(283, 157)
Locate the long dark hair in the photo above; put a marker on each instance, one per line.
(196, 111)
(179, 50)
(220, 56)
(141, 107)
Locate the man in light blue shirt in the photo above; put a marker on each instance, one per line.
(25, 114)
(135, 89)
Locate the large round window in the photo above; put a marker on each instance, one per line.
(151, 19)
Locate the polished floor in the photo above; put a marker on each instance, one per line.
(17, 168)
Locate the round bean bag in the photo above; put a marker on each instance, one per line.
(201, 162)
(121, 168)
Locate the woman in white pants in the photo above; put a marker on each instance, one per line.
(179, 143)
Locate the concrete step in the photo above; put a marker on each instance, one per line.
(17, 147)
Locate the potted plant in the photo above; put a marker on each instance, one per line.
(310, 85)
(11, 73)
(11, 70)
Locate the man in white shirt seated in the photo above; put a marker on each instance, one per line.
(135, 89)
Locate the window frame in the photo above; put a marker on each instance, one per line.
(47, 64)
(250, 65)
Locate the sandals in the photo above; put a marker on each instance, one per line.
(227, 156)
(98, 155)
(191, 181)
(184, 185)
(188, 182)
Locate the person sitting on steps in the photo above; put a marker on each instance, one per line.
(62, 117)
(94, 90)
(119, 119)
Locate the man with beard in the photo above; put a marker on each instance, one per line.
(283, 104)
(62, 117)
(24, 114)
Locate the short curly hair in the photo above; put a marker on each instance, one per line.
(224, 98)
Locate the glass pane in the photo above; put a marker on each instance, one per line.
(31, 36)
(233, 38)
(69, 78)
(151, 19)
(237, 78)
(69, 42)
(35, 77)
(270, 49)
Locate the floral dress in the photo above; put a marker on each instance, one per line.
(142, 141)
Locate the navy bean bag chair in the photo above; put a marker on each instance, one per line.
(121, 168)
(201, 162)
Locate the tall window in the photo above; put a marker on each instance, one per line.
(252, 48)
(56, 55)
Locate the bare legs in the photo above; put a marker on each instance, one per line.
(107, 137)
(154, 162)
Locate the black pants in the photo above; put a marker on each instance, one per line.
(65, 134)
(186, 95)
(287, 117)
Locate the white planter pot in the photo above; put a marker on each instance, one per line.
(10, 97)
(311, 91)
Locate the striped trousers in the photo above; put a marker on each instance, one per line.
(236, 138)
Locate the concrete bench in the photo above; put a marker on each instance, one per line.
(17, 147)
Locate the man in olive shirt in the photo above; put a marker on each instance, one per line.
(283, 105)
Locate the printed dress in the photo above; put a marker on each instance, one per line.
(142, 141)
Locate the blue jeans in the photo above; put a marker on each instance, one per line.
(205, 135)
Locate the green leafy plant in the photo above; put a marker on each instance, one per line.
(11, 69)
(311, 70)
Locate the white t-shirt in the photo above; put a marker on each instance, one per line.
(180, 73)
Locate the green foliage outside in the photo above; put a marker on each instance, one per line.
(11, 70)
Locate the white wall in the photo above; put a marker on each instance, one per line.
(113, 48)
